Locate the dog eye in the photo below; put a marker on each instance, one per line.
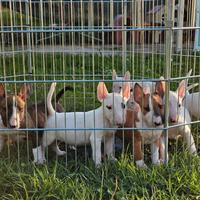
(109, 107)
(179, 105)
(20, 109)
(131, 90)
(160, 106)
(123, 106)
(147, 109)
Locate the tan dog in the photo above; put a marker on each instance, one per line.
(15, 114)
(142, 106)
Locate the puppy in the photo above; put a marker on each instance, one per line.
(144, 111)
(15, 114)
(111, 114)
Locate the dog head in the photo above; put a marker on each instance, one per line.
(114, 104)
(157, 101)
(117, 86)
(151, 108)
(176, 101)
(12, 107)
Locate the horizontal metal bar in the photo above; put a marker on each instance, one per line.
(75, 29)
(60, 29)
(15, 1)
(105, 51)
(69, 1)
(92, 81)
(2, 130)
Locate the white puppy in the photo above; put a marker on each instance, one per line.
(178, 114)
(111, 114)
(117, 85)
(192, 103)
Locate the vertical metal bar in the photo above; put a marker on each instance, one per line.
(27, 5)
(168, 55)
(179, 35)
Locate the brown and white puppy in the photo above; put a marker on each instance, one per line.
(145, 111)
(15, 114)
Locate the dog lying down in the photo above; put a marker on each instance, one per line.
(111, 114)
(15, 115)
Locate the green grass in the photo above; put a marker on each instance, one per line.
(112, 180)
(20, 179)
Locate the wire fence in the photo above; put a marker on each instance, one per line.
(78, 44)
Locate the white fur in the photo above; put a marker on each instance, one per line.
(180, 114)
(192, 103)
(99, 118)
(14, 119)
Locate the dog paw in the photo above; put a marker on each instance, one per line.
(39, 162)
(141, 164)
(112, 158)
(158, 162)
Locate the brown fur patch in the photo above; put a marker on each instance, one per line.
(132, 136)
(158, 106)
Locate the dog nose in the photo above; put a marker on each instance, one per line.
(157, 124)
(173, 120)
(119, 124)
(13, 126)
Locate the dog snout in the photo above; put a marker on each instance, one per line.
(157, 124)
(173, 120)
(13, 126)
(119, 125)
(157, 120)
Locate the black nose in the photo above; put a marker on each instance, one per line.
(157, 124)
(119, 125)
(173, 121)
(13, 126)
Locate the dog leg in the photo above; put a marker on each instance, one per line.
(96, 149)
(56, 148)
(137, 144)
(39, 152)
(163, 158)
(108, 146)
(189, 140)
(38, 155)
(2, 141)
(155, 152)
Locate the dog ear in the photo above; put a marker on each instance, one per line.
(24, 91)
(114, 75)
(2, 90)
(181, 89)
(126, 91)
(138, 93)
(127, 76)
(102, 91)
(160, 88)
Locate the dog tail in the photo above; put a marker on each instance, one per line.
(192, 86)
(50, 108)
(61, 92)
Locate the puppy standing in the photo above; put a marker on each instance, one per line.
(149, 115)
(111, 114)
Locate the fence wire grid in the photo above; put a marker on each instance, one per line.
(78, 44)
